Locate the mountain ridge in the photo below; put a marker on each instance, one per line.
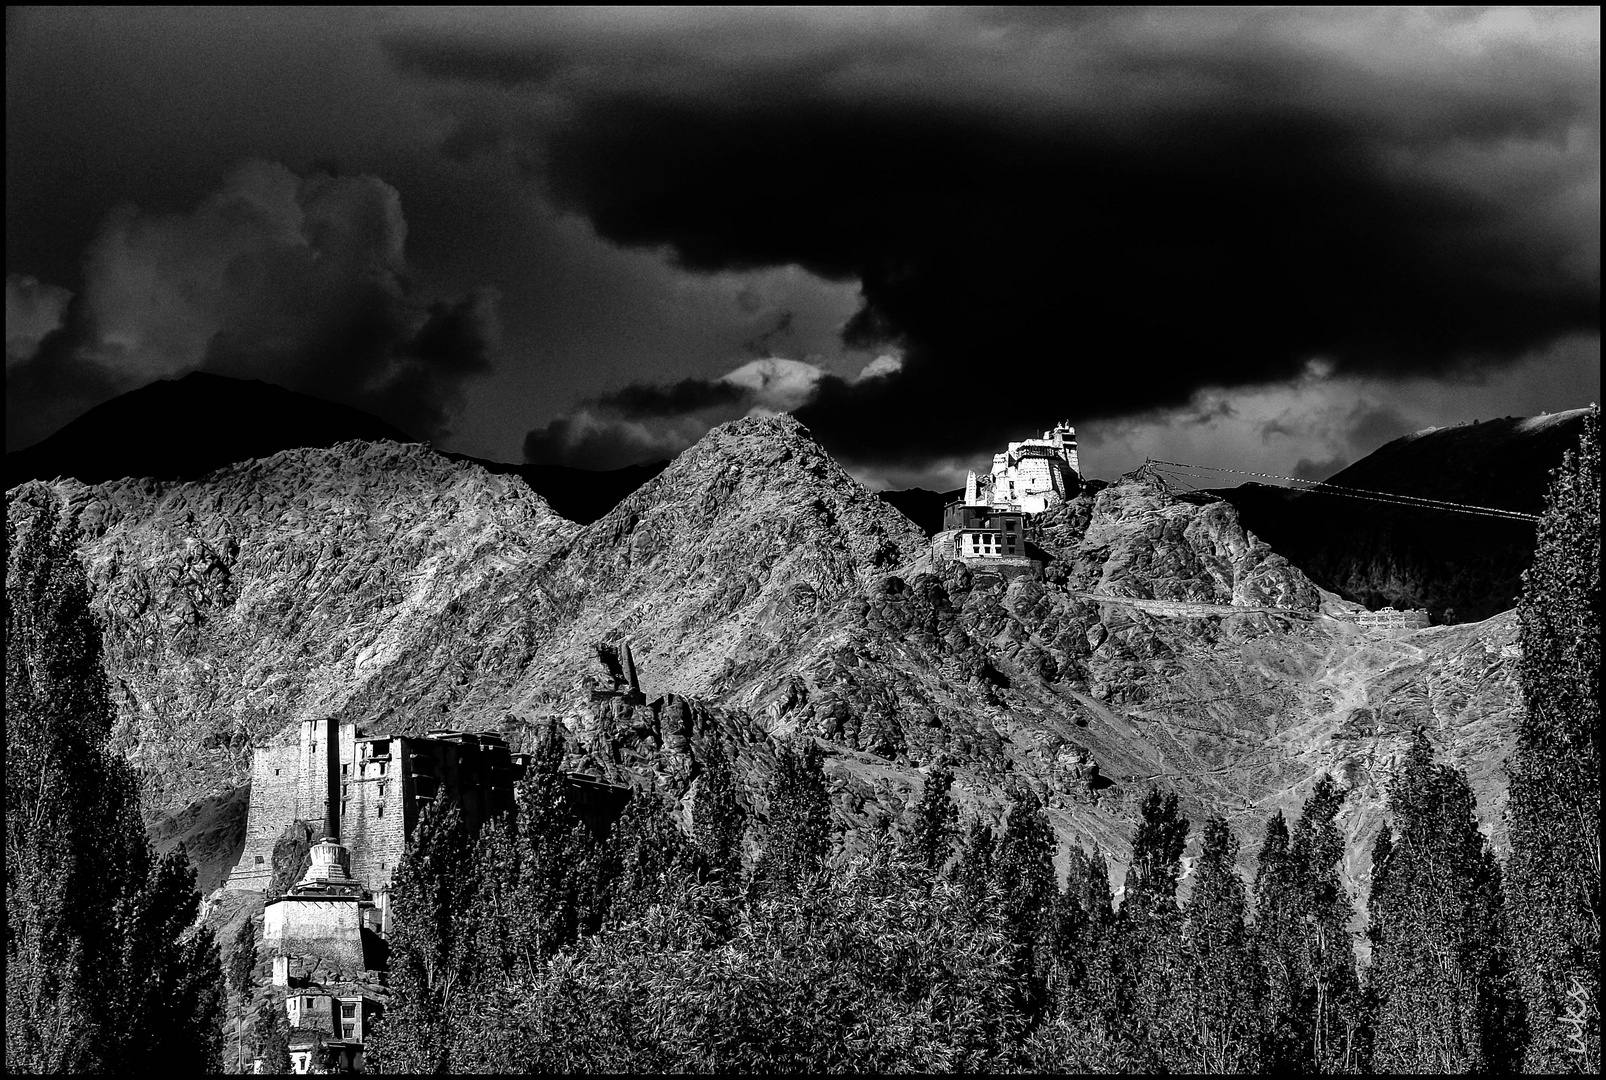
(758, 582)
(1458, 567)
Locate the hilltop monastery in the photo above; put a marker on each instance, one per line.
(986, 527)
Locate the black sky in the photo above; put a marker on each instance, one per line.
(1271, 238)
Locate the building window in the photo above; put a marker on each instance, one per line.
(381, 810)
(344, 769)
(346, 1031)
(345, 806)
(275, 772)
(348, 1010)
(259, 860)
(381, 789)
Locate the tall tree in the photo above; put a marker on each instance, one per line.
(429, 954)
(1090, 996)
(1432, 924)
(239, 972)
(1222, 990)
(1313, 1017)
(1554, 872)
(1316, 850)
(717, 817)
(270, 1035)
(800, 817)
(1024, 872)
(973, 872)
(1150, 928)
(105, 968)
(649, 860)
(243, 958)
(936, 823)
(1438, 973)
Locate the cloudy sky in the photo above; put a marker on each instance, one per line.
(1268, 239)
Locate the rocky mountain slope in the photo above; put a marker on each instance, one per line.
(1457, 566)
(764, 593)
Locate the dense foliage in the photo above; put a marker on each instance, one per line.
(105, 967)
(1554, 814)
(1439, 974)
(893, 959)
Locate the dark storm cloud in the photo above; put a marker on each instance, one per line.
(298, 280)
(645, 423)
(1099, 213)
(688, 395)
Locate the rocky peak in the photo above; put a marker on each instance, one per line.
(747, 534)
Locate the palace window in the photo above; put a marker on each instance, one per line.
(347, 1031)
(347, 1011)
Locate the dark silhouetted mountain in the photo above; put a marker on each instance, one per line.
(922, 505)
(185, 428)
(1460, 567)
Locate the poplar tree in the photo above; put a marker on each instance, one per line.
(1332, 1015)
(936, 823)
(1150, 928)
(650, 859)
(1222, 991)
(1554, 873)
(243, 958)
(717, 817)
(800, 818)
(1088, 985)
(1437, 928)
(429, 953)
(1312, 1016)
(973, 872)
(270, 1034)
(105, 968)
(241, 968)
(1023, 870)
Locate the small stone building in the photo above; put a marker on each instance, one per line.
(1388, 618)
(346, 1017)
(314, 1052)
(985, 531)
